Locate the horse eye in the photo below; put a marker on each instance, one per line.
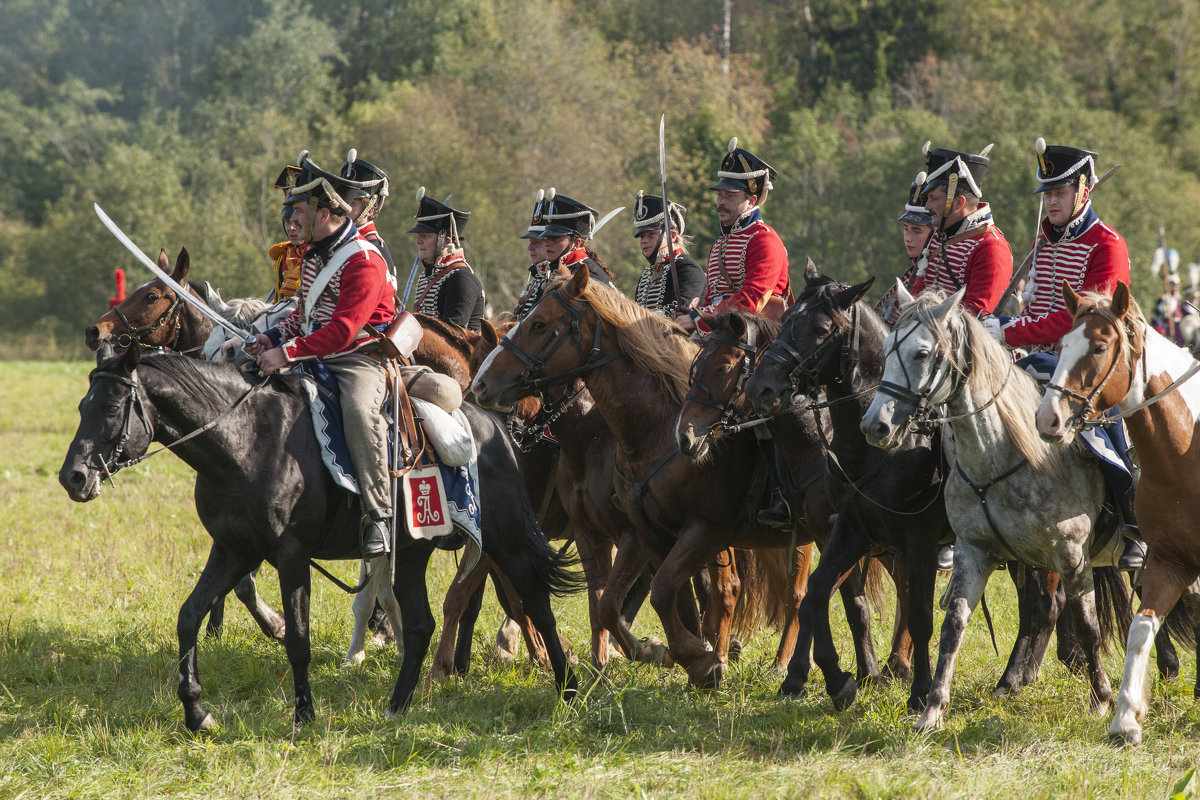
(538, 326)
(151, 298)
(111, 408)
(1100, 349)
(922, 353)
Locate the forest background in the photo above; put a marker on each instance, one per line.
(176, 116)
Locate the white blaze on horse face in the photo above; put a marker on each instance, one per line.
(491, 357)
(1054, 411)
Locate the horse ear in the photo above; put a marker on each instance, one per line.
(943, 309)
(163, 263)
(810, 272)
(579, 281)
(182, 262)
(848, 297)
(1070, 298)
(903, 295)
(488, 333)
(1120, 300)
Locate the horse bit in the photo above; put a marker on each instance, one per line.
(748, 348)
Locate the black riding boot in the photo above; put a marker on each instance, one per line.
(779, 513)
(377, 538)
(1134, 556)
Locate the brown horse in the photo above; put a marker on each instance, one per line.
(686, 513)
(1113, 358)
(729, 354)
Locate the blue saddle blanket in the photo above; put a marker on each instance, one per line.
(1108, 443)
(461, 483)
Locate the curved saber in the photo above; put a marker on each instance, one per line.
(604, 220)
(183, 293)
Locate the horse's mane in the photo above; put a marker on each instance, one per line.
(991, 374)
(458, 338)
(768, 328)
(242, 311)
(655, 344)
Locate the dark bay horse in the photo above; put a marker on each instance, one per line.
(730, 353)
(687, 514)
(1113, 358)
(263, 494)
(886, 502)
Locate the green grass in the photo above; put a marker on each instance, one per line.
(88, 604)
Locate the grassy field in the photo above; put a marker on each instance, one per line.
(88, 604)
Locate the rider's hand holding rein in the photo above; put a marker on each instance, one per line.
(270, 359)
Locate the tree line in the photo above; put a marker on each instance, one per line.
(176, 117)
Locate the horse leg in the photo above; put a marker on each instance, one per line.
(1035, 610)
(269, 620)
(724, 588)
(802, 559)
(458, 597)
(844, 549)
(636, 596)
(1166, 656)
(538, 654)
(1050, 598)
(858, 618)
(899, 661)
(411, 592)
(595, 555)
(294, 586)
(921, 552)
(689, 554)
(363, 605)
(1081, 602)
(972, 568)
(1162, 585)
(1068, 650)
(466, 630)
(216, 618)
(223, 569)
(628, 570)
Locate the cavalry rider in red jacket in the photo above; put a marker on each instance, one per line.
(967, 248)
(344, 287)
(747, 264)
(1072, 245)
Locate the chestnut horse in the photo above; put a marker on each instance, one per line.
(686, 513)
(730, 353)
(1113, 358)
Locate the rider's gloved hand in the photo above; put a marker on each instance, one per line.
(995, 327)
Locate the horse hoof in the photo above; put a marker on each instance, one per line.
(206, 725)
(843, 697)
(928, 722)
(710, 679)
(735, 649)
(1125, 739)
(353, 660)
(792, 690)
(391, 713)
(1004, 690)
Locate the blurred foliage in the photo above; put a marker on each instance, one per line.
(176, 117)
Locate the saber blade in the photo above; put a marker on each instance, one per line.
(183, 293)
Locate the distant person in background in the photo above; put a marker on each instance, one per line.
(656, 288)
(1168, 311)
(368, 191)
(448, 288)
(917, 232)
(747, 264)
(967, 249)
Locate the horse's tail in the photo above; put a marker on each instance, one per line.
(766, 587)
(1181, 624)
(556, 569)
(873, 585)
(1113, 606)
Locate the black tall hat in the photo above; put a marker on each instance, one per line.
(967, 168)
(566, 217)
(287, 181)
(435, 217)
(365, 179)
(312, 182)
(648, 214)
(537, 222)
(914, 210)
(1060, 166)
(742, 171)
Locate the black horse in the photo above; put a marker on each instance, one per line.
(263, 494)
(886, 501)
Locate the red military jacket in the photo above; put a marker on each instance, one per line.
(1088, 254)
(976, 256)
(357, 294)
(755, 261)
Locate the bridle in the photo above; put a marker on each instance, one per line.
(137, 335)
(805, 372)
(749, 348)
(921, 420)
(135, 406)
(1086, 416)
(526, 435)
(533, 377)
